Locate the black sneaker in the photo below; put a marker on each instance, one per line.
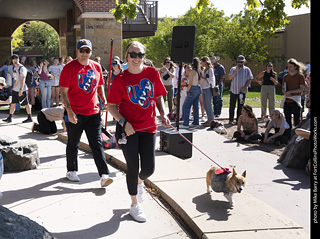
(8, 120)
(29, 119)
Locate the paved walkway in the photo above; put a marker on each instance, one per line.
(77, 210)
(275, 203)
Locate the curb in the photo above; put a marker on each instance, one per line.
(196, 231)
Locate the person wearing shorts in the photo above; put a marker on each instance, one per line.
(19, 89)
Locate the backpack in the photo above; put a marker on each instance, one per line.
(29, 76)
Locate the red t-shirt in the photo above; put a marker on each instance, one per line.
(82, 82)
(136, 96)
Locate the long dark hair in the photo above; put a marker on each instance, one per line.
(249, 111)
(196, 66)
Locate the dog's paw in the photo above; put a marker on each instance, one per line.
(232, 203)
(209, 190)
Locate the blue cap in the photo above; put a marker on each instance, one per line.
(84, 43)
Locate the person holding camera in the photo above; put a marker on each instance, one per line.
(167, 72)
(206, 84)
(240, 77)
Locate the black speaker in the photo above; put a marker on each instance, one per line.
(183, 39)
(171, 142)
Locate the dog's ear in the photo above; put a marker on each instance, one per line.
(234, 172)
(244, 173)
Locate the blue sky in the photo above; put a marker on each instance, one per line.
(174, 8)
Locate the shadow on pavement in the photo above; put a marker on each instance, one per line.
(216, 209)
(100, 230)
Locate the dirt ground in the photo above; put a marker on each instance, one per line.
(269, 148)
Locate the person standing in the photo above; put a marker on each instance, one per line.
(45, 84)
(292, 88)
(19, 89)
(55, 71)
(167, 73)
(206, 84)
(219, 73)
(137, 91)
(80, 83)
(240, 77)
(268, 89)
(193, 93)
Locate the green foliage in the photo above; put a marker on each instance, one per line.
(44, 37)
(17, 38)
(126, 8)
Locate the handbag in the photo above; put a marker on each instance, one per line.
(166, 77)
(215, 90)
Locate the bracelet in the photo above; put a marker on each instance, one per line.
(120, 121)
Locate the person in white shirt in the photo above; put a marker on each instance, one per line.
(206, 83)
(240, 77)
(19, 89)
(55, 71)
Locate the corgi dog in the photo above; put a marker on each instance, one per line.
(226, 181)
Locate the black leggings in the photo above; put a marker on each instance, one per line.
(139, 144)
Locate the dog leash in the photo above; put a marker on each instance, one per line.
(224, 169)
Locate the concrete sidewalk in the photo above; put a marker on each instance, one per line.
(275, 203)
(77, 210)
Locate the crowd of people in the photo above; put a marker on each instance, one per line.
(137, 88)
(204, 77)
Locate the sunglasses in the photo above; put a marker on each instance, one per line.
(135, 55)
(82, 50)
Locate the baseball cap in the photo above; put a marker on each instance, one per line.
(84, 43)
(3, 81)
(241, 58)
(115, 62)
(14, 56)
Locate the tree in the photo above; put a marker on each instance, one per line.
(158, 46)
(271, 17)
(241, 36)
(42, 36)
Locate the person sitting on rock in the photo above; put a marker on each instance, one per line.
(46, 120)
(249, 123)
(282, 129)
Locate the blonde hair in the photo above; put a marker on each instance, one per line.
(300, 66)
(135, 44)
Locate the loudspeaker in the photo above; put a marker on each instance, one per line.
(171, 142)
(183, 39)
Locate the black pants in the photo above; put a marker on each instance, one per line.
(237, 135)
(289, 109)
(45, 126)
(234, 98)
(91, 124)
(143, 145)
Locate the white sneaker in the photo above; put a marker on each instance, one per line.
(72, 176)
(105, 180)
(141, 192)
(137, 213)
(184, 126)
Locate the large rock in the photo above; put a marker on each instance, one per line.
(14, 226)
(19, 156)
(297, 152)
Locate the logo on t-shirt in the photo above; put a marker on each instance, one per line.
(140, 94)
(88, 81)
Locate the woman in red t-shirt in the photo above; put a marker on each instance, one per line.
(137, 91)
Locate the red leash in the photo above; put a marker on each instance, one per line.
(189, 143)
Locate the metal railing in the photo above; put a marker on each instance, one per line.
(147, 13)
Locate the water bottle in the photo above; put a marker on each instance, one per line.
(241, 99)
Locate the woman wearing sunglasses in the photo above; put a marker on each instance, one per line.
(137, 91)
